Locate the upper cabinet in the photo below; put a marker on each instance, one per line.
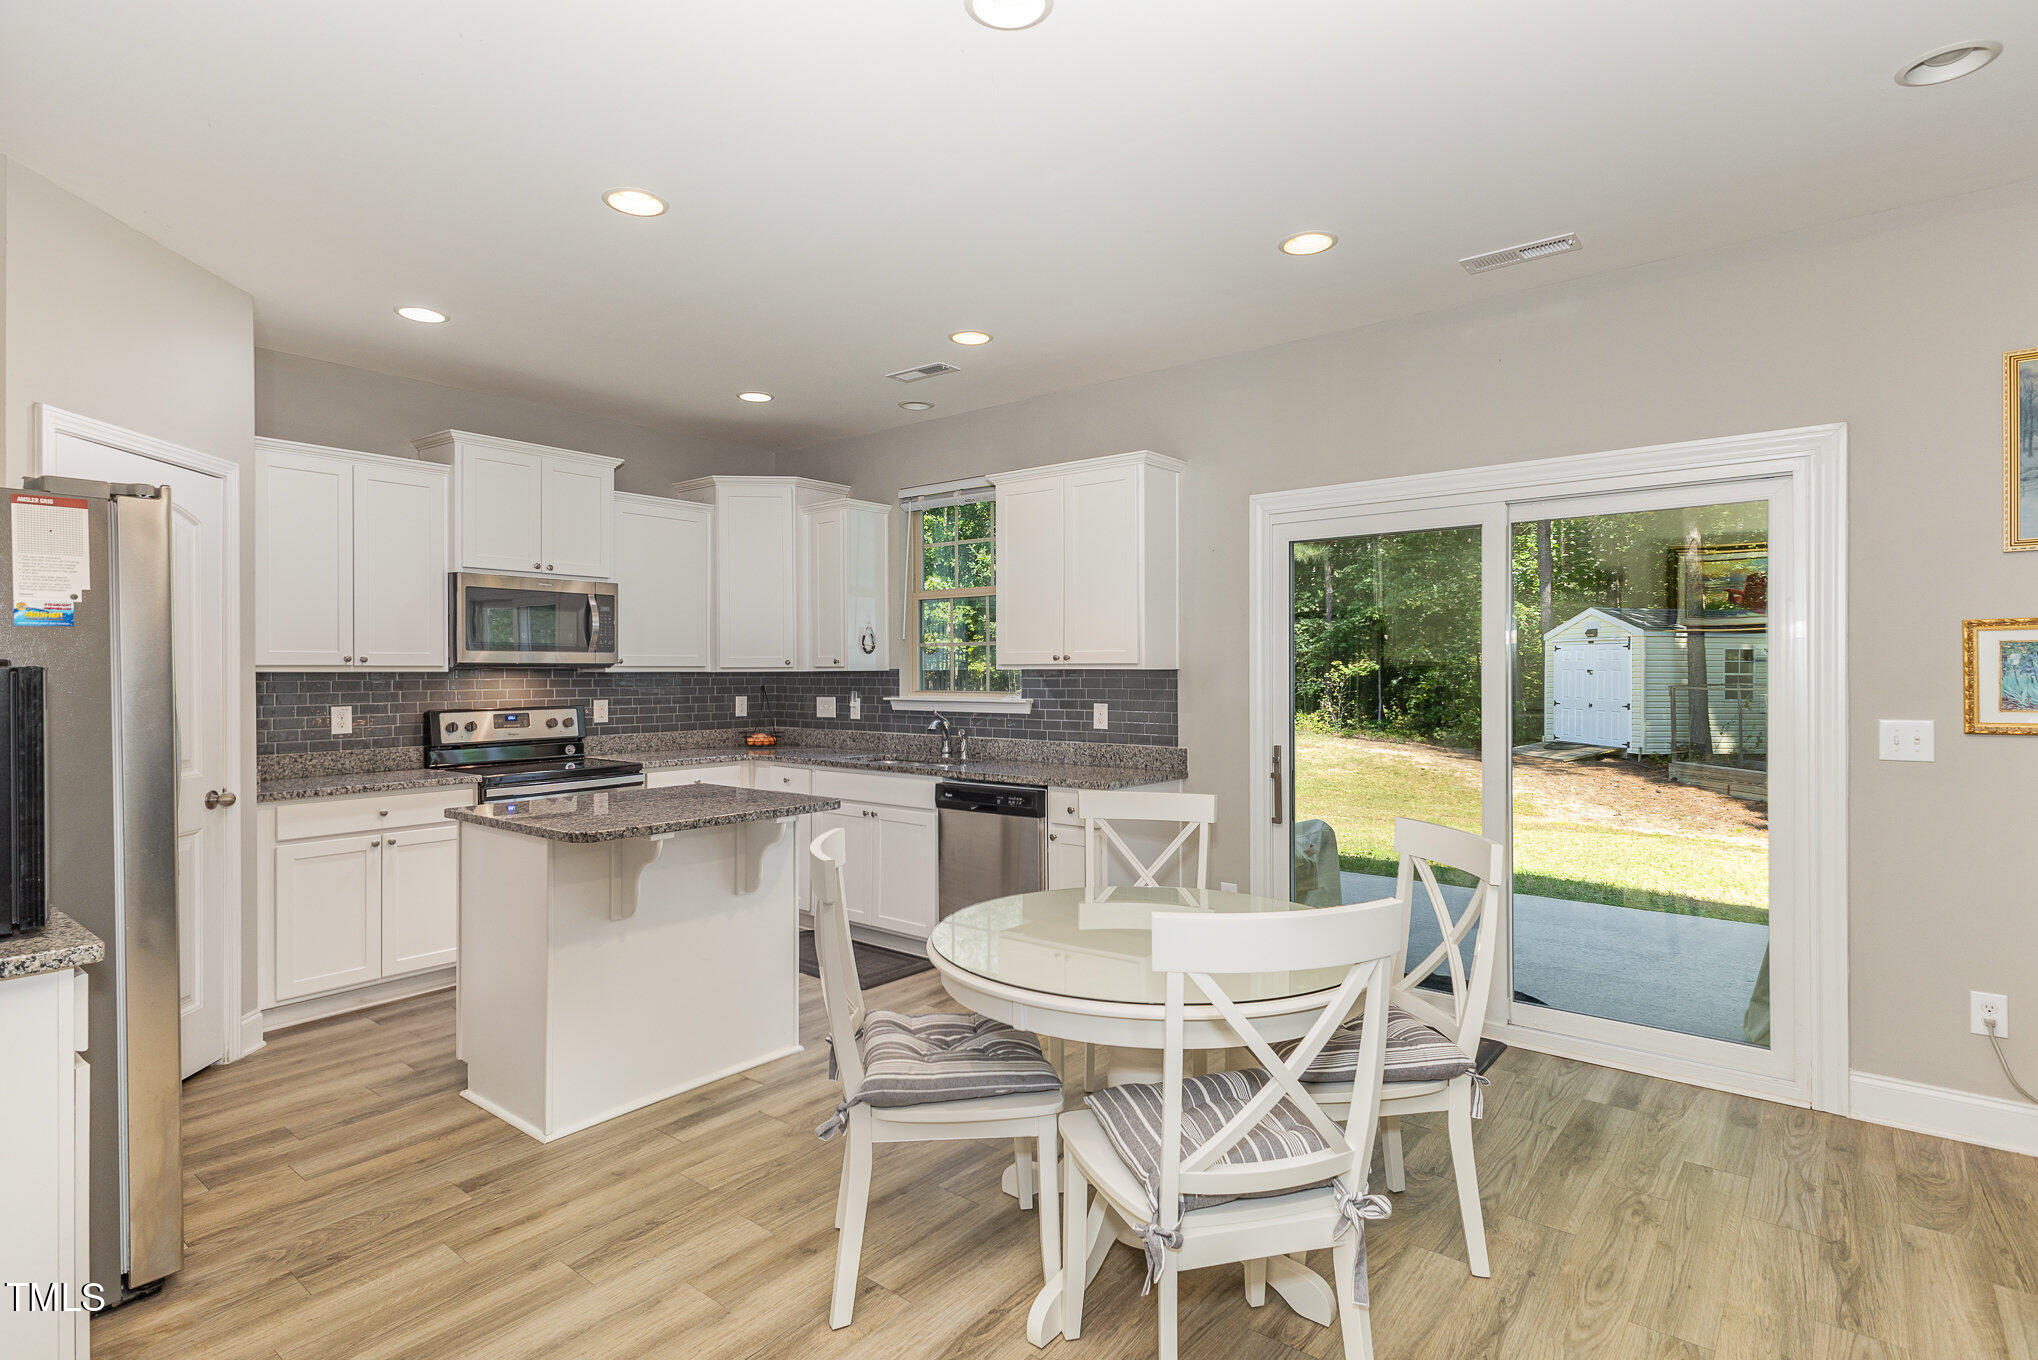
(757, 565)
(664, 582)
(350, 559)
(527, 509)
(1088, 564)
(848, 546)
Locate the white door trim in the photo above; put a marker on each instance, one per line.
(1815, 458)
(50, 422)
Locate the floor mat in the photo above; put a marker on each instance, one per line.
(874, 966)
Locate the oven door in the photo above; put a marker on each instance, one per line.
(529, 621)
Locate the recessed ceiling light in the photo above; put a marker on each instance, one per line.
(753, 396)
(970, 338)
(916, 406)
(1308, 243)
(635, 202)
(1009, 15)
(423, 314)
(1949, 63)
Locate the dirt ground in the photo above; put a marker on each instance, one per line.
(1634, 795)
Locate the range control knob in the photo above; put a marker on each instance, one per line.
(551, 722)
(470, 727)
(568, 721)
(452, 727)
(571, 748)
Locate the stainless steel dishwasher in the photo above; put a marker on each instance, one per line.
(993, 841)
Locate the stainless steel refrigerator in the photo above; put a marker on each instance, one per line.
(112, 797)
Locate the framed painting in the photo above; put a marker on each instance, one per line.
(2020, 451)
(2001, 659)
(1724, 586)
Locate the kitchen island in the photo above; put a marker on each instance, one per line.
(620, 947)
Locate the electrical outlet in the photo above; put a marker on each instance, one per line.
(856, 705)
(742, 705)
(1981, 1006)
(1227, 887)
(1100, 717)
(601, 710)
(1905, 740)
(824, 707)
(343, 719)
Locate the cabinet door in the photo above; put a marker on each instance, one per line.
(1103, 547)
(304, 560)
(827, 590)
(400, 609)
(1030, 565)
(574, 516)
(755, 591)
(663, 584)
(500, 493)
(859, 836)
(1065, 857)
(907, 894)
(735, 776)
(420, 899)
(328, 914)
(867, 591)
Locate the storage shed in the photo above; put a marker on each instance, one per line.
(1617, 677)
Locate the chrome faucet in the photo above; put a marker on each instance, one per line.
(940, 724)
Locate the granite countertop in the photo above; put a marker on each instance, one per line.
(1036, 774)
(63, 943)
(623, 814)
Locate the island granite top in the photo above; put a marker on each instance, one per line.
(63, 943)
(623, 814)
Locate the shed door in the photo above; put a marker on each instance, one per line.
(1592, 693)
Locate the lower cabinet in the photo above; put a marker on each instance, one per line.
(346, 910)
(45, 1126)
(892, 874)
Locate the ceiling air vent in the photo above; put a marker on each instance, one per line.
(933, 370)
(1534, 250)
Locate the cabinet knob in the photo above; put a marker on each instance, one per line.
(364, 660)
(549, 567)
(348, 659)
(1051, 836)
(383, 813)
(537, 566)
(377, 841)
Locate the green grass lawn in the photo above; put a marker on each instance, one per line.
(1360, 793)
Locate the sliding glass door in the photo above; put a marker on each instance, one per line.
(1602, 681)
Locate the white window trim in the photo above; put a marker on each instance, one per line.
(935, 497)
(959, 703)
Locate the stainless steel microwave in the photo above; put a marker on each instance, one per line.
(532, 621)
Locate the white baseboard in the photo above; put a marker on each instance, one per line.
(251, 1034)
(290, 1013)
(1989, 1120)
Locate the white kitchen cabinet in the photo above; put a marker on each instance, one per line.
(524, 508)
(736, 776)
(328, 914)
(757, 572)
(664, 582)
(907, 894)
(848, 546)
(859, 867)
(420, 902)
(1068, 852)
(351, 558)
(45, 1126)
(1066, 857)
(1088, 569)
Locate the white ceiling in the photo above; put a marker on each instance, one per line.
(852, 181)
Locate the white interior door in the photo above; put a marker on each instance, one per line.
(205, 643)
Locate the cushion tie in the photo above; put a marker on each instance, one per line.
(836, 1122)
(1353, 1211)
(1479, 1085)
(834, 1072)
(1157, 1245)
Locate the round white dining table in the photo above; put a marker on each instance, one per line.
(1077, 964)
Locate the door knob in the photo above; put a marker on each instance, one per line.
(219, 798)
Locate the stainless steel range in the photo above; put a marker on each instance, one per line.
(523, 752)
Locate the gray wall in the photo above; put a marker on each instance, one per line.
(316, 402)
(1896, 325)
(102, 321)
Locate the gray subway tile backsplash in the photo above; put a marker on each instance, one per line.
(293, 711)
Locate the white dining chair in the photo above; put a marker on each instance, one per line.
(1103, 812)
(1246, 1165)
(1432, 1048)
(920, 1079)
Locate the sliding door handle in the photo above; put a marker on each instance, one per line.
(1280, 789)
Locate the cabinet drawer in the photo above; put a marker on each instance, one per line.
(369, 812)
(893, 790)
(1061, 807)
(735, 776)
(784, 779)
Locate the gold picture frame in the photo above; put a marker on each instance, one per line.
(2000, 681)
(2020, 451)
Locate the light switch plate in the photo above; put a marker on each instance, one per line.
(1100, 717)
(343, 719)
(742, 705)
(601, 710)
(824, 706)
(1904, 740)
(856, 705)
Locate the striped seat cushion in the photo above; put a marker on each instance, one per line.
(1131, 1116)
(1415, 1052)
(922, 1059)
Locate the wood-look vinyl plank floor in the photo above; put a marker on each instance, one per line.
(343, 1203)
